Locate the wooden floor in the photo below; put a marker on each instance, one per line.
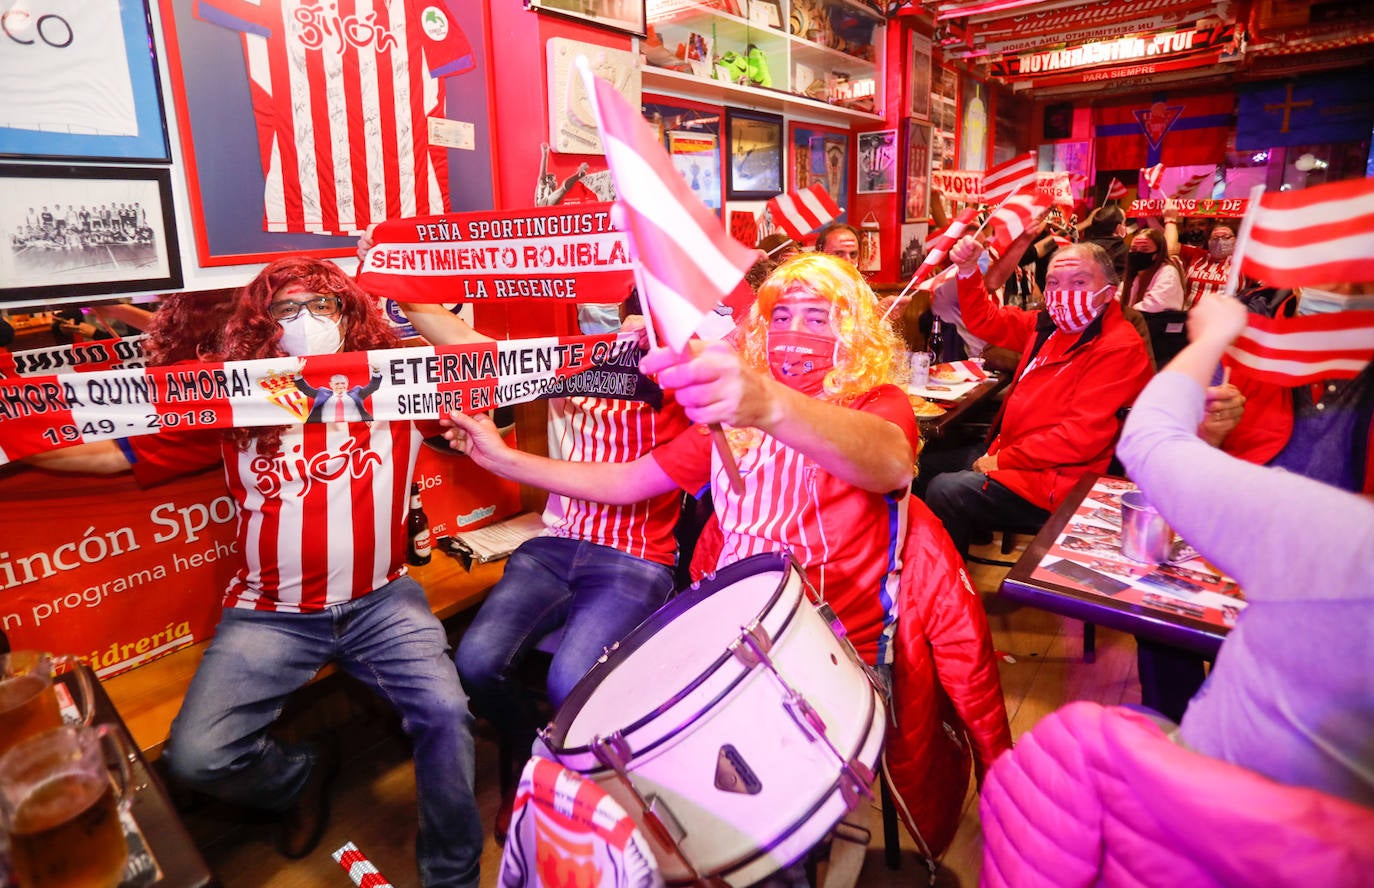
(374, 804)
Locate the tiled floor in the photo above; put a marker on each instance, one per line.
(374, 806)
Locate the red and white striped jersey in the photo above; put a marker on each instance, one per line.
(319, 524)
(606, 430)
(342, 92)
(849, 540)
(1206, 276)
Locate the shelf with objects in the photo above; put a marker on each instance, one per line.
(822, 58)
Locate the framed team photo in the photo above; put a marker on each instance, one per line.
(877, 162)
(272, 164)
(753, 144)
(80, 82)
(916, 206)
(615, 15)
(86, 231)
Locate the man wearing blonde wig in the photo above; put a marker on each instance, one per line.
(825, 444)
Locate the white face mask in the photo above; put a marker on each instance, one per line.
(306, 334)
(1314, 302)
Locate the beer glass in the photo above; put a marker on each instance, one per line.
(62, 807)
(28, 702)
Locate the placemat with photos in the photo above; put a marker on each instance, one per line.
(1087, 556)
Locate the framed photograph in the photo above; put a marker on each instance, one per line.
(86, 231)
(254, 195)
(753, 142)
(821, 155)
(691, 133)
(916, 205)
(614, 15)
(877, 162)
(81, 83)
(918, 85)
(766, 13)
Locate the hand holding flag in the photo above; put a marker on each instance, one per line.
(936, 251)
(1017, 213)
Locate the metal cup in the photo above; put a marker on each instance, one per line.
(1145, 536)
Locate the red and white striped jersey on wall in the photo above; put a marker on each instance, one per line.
(342, 92)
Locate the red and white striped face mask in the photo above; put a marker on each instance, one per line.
(1073, 310)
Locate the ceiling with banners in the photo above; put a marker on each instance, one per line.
(1068, 47)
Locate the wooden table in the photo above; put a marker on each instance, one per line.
(935, 426)
(1118, 596)
(170, 859)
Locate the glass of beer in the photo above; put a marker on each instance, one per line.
(62, 806)
(28, 701)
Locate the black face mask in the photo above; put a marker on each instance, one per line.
(1135, 261)
(1194, 238)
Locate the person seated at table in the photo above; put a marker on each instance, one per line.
(596, 571)
(1290, 693)
(1081, 363)
(1152, 282)
(825, 445)
(310, 589)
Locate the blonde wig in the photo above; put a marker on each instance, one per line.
(868, 348)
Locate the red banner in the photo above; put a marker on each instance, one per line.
(562, 253)
(1233, 207)
(1121, 52)
(81, 357)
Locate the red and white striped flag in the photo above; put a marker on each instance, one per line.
(1297, 351)
(1153, 176)
(1190, 185)
(1005, 179)
(1319, 235)
(938, 249)
(1015, 215)
(1115, 190)
(687, 261)
(799, 213)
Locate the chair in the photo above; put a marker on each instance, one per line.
(568, 832)
(1168, 334)
(1096, 795)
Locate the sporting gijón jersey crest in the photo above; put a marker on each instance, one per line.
(342, 92)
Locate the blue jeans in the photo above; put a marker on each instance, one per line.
(390, 641)
(598, 594)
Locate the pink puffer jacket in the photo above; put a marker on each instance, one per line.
(1101, 796)
(947, 696)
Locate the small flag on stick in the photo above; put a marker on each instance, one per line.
(1319, 235)
(1005, 179)
(1153, 176)
(1290, 352)
(798, 213)
(936, 251)
(1115, 190)
(1015, 215)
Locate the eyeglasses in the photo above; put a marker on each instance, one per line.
(1222, 237)
(327, 307)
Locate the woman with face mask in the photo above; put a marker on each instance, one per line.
(1081, 362)
(1206, 267)
(1153, 281)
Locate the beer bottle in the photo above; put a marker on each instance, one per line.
(417, 527)
(936, 344)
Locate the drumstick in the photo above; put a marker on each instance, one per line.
(727, 457)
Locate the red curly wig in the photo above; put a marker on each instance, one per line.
(240, 328)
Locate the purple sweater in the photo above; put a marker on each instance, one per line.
(1292, 691)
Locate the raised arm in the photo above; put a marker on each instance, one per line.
(96, 458)
(435, 323)
(614, 483)
(714, 386)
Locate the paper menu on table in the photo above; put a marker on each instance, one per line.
(500, 539)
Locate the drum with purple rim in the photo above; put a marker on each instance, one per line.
(734, 725)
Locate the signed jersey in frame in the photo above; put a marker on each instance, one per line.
(342, 93)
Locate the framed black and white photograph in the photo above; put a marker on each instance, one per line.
(916, 206)
(753, 143)
(877, 162)
(86, 231)
(617, 15)
(80, 82)
(919, 85)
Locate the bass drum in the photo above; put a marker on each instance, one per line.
(733, 725)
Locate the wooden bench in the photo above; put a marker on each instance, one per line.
(148, 697)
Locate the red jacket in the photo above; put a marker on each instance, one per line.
(947, 698)
(1059, 420)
